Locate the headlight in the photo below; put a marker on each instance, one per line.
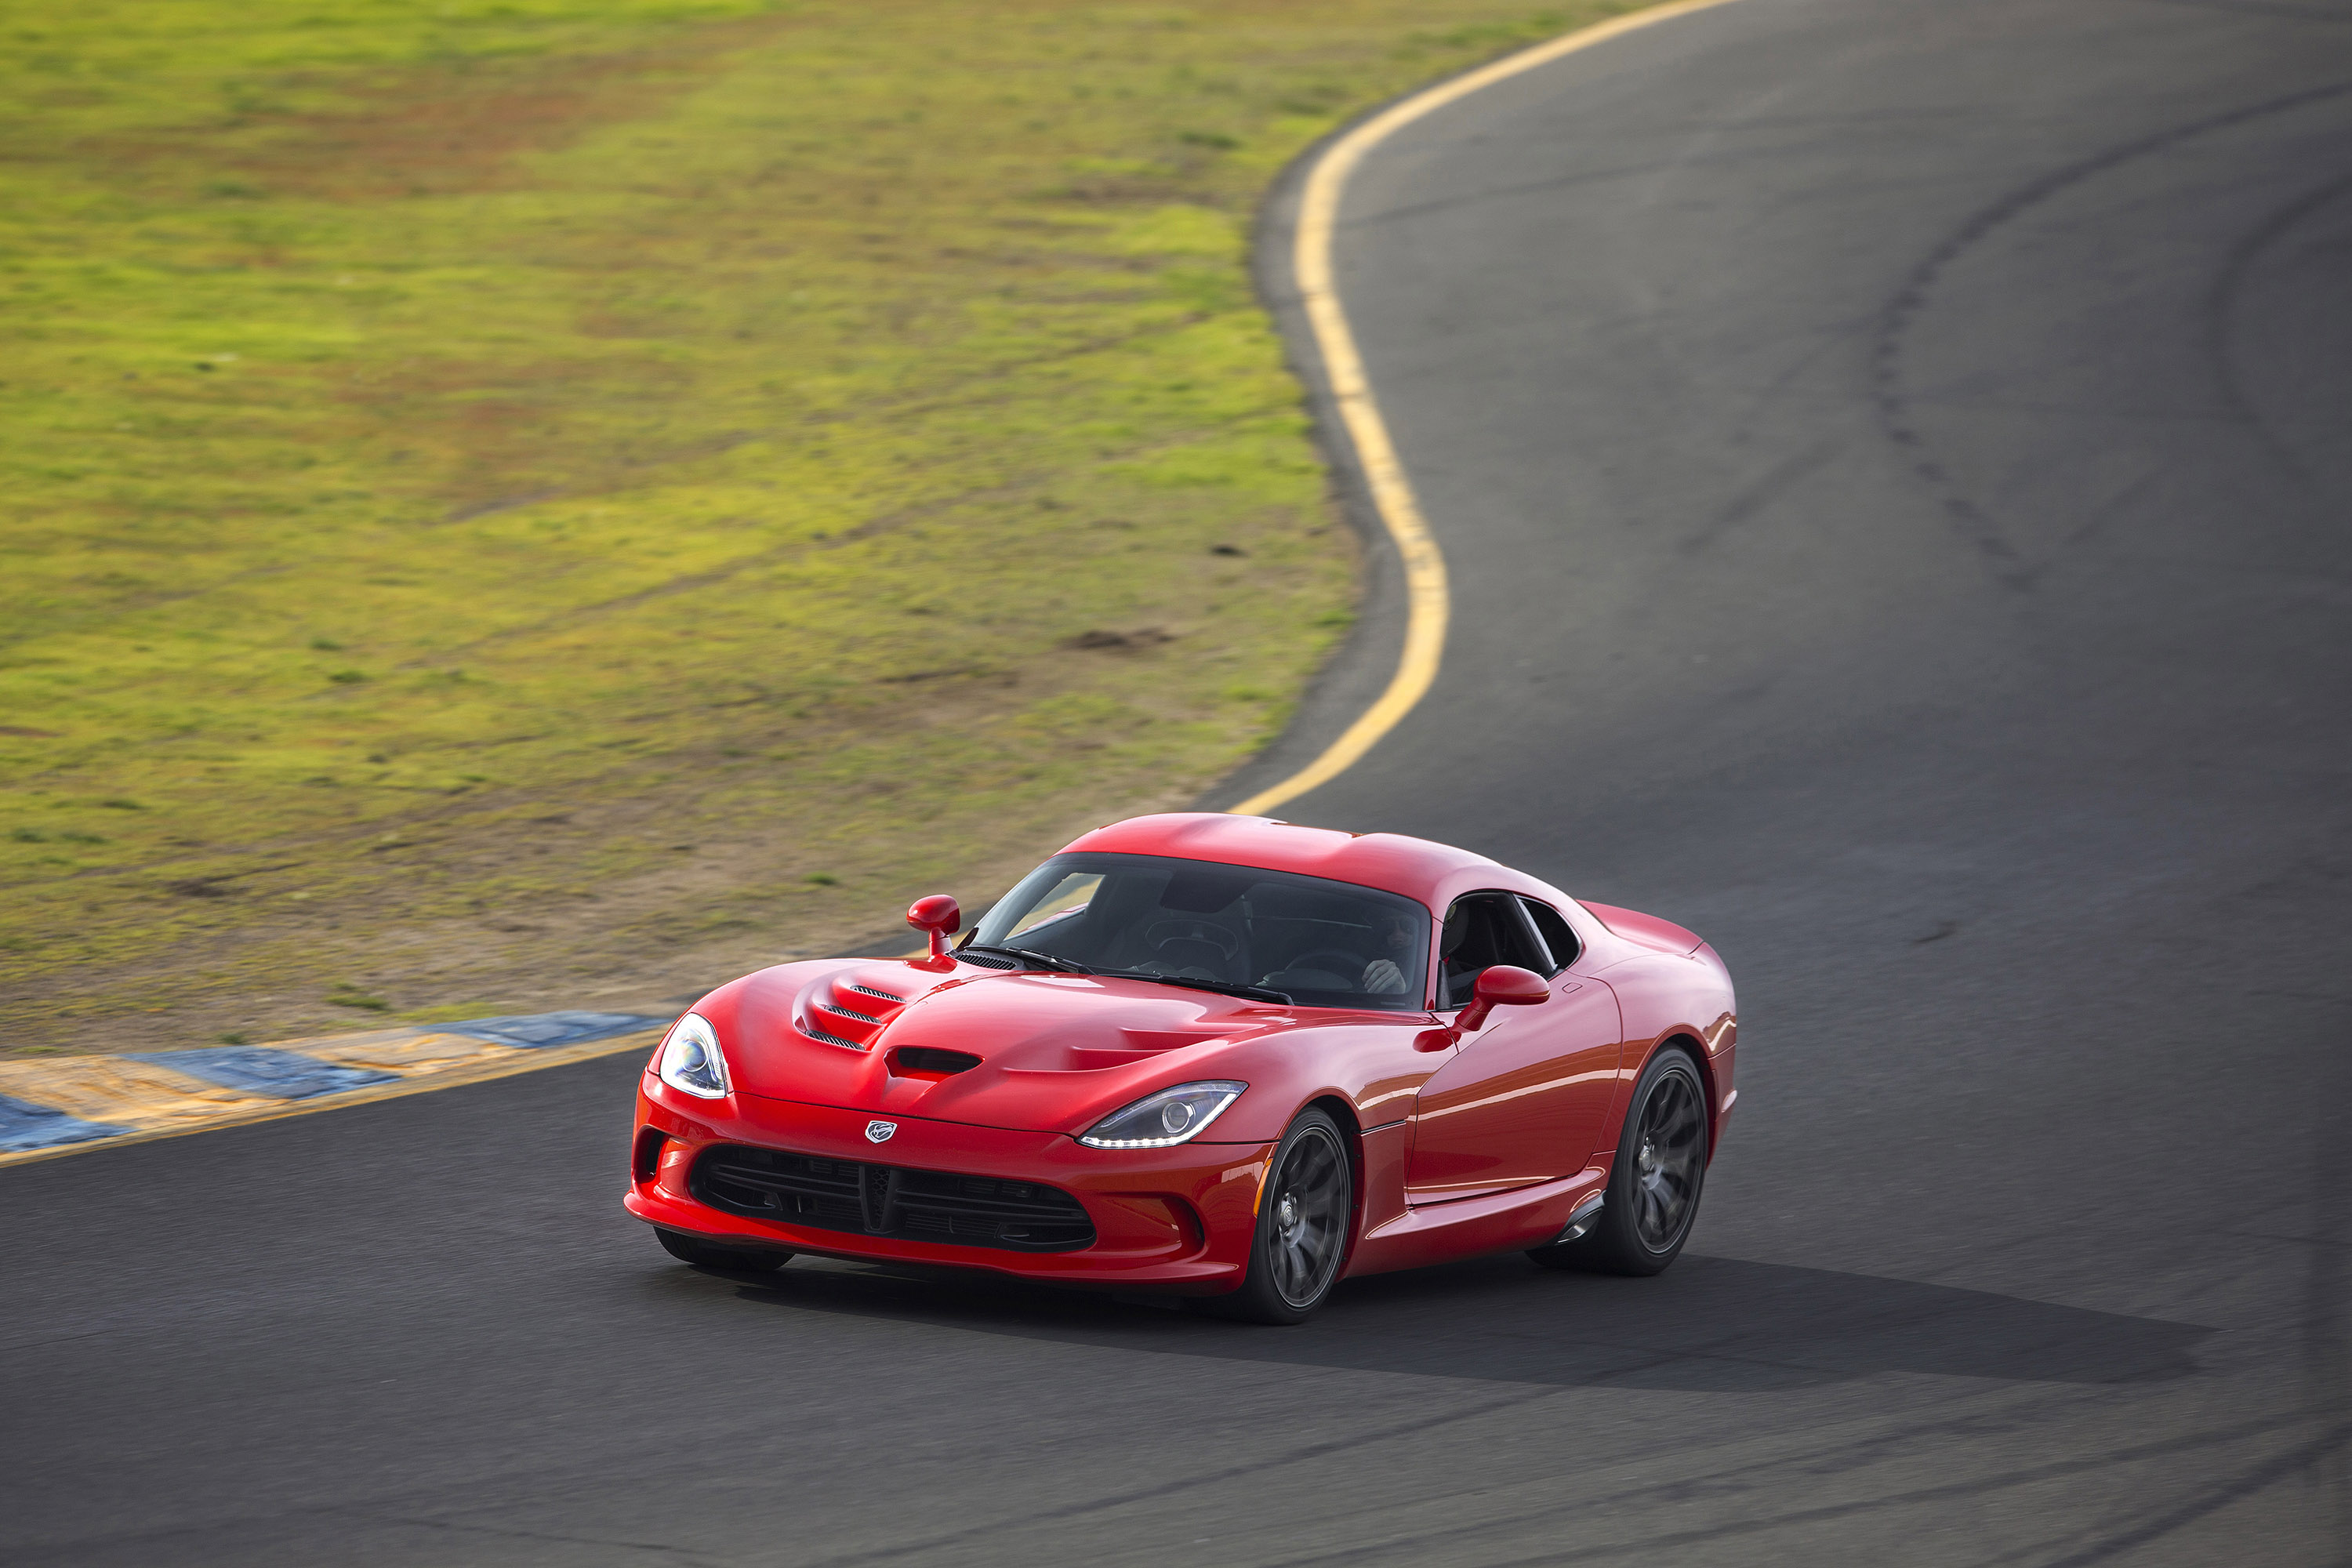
(690, 1059)
(1171, 1116)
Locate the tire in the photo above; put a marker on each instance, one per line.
(1304, 1217)
(727, 1259)
(1655, 1181)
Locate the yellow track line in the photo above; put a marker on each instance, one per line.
(1360, 412)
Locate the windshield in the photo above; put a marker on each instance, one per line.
(1328, 944)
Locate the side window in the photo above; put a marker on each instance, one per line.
(1481, 930)
(1557, 936)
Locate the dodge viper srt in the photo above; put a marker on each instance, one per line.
(1208, 1056)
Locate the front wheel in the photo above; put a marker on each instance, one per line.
(727, 1259)
(1654, 1184)
(1302, 1216)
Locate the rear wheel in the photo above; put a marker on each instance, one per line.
(1655, 1183)
(730, 1260)
(1303, 1217)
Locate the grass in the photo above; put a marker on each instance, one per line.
(547, 500)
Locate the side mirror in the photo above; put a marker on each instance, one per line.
(938, 918)
(1501, 986)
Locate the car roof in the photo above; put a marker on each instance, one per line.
(1416, 868)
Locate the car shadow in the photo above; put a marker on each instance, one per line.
(1711, 1323)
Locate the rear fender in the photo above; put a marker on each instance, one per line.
(1665, 999)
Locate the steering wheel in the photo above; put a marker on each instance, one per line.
(1349, 965)
(1159, 933)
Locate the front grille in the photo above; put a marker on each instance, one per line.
(888, 1200)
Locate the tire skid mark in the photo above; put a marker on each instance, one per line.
(1762, 493)
(510, 1532)
(2223, 297)
(2262, 1476)
(1423, 1546)
(160, 1536)
(1311, 1451)
(2327, 1311)
(1893, 404)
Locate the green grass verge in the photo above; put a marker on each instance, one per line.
(510, 503)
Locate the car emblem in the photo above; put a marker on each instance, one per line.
(879, 1132)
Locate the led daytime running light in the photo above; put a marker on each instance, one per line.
(1164, 1119)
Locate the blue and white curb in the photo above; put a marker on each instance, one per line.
(59, 1104)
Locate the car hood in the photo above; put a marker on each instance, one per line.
(1026, 1051)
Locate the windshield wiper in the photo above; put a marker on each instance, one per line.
(1042, 960)
(1227, 987)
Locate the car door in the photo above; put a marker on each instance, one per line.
(1523, 1100)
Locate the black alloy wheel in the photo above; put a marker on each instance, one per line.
(1303, 1219)
(1655, 1183)
(725, 1260)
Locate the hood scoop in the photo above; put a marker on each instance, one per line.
(926, 1061)
(850, 1009)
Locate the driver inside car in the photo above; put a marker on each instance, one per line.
(1383, 977)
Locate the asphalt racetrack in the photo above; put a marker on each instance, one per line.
(1893, 458)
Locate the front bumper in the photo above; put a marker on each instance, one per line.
(1177, 1220)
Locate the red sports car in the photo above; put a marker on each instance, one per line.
(1209, 1055)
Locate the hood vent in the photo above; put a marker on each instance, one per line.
(846, 1012)
(923, 1061)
